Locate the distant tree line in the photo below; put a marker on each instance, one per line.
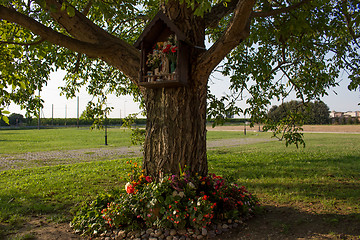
(16, 119)
(345, 120)
(315, 112)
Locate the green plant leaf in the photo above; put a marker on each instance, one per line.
(70, 11)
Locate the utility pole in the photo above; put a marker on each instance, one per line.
(245, 124)
(39, 112)
(65, 113)
(77, 112)
(52, 114)
(106, 130)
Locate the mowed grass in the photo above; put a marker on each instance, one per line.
(323, 177)
(33, 140)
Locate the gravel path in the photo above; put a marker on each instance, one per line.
(49, 158)
(36, 159)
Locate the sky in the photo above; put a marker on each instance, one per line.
(59, 107)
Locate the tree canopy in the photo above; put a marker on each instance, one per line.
(267, 48)
(315, 112)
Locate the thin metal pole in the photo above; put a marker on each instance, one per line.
(77, 112)
(39, 114)
(65, 113)
(52, 114)
(106, 131)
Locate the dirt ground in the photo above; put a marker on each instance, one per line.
(277, 222)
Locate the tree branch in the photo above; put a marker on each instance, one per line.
(47, 33)
(112, 50)
(237, 30)
(117, 53)
(279, 10)
(218, 12)
(78, 26)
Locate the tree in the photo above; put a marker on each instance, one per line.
(319, 113)
(314, 112)
(304, 42)
(16, 118)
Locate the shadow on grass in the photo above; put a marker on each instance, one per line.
(8, 140)
(282, 222)
(19, 204)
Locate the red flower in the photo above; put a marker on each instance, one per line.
(130, 189)
(148, 179)
(167, 49)
(205, 197)
(174, 49)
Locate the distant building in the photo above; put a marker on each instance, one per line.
(344, 117)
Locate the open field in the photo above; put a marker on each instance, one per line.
(311, 193)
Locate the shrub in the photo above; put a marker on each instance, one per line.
(176, 201)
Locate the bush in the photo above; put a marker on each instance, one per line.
(174, 202)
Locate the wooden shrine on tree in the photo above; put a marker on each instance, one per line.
(164, 54)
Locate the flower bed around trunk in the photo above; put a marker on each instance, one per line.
(174, 202)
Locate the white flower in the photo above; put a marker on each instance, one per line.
(191, 185)
(181, 194)
(175, 193)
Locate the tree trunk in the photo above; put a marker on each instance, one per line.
(176, 117)
(175, 131)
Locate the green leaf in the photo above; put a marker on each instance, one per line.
(70, 11)
(5, 119)
(63, 6)
(23, 85)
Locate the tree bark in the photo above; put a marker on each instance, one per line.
(175, 130)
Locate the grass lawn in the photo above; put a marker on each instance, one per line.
(325, 174)
(323, 178)
(33, 140)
